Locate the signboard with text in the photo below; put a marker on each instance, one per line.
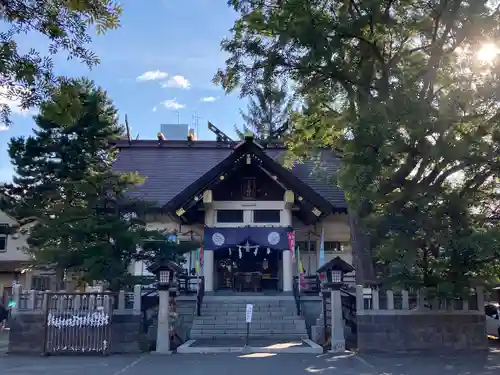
(249, 312)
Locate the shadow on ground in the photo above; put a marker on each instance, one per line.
(258, 364)
(466, 363)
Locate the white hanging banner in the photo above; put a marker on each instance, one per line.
(249, 313)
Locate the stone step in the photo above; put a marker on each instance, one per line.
(197, 333)
(242, 315)
(271, 318)
(269, 325)
(274, 337)
(262, 332)
(244, 306)
(272, 301)
(234, 318)
(255, 308)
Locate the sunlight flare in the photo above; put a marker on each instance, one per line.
(487, 53)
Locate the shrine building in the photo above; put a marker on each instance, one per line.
(242, 204)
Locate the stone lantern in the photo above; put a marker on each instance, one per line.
(166, 275)
(335, 271)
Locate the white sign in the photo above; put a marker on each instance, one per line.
(249, 313)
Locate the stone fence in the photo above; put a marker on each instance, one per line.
(400, 321)
(33, 311)
(32, 300)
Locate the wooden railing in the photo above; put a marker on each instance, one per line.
(310, 285)
(187, 285)
(349, 309)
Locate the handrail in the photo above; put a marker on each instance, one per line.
(187, 284)
(324, 297)
(296, 295)
(199, 295)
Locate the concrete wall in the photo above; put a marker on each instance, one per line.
(311, 307)
(437, 332)
(126, 334)
(186, 310)
(27, 333)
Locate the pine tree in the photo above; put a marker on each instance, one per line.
(64, 180)
(268, 110)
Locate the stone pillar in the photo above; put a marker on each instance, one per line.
(338, 338)
(208, 270)
(137, 299)
(287, 271)
(16, 297)
(163, 333)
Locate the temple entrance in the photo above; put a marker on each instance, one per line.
(248, 270)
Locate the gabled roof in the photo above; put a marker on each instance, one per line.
(7, 220)
(336, 263)
(171, 166)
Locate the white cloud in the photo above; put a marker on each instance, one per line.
(155, 109)
(173, 104)
(3, 128)
(152, 75)
(208, 99)
(177, 82)
(14, 104)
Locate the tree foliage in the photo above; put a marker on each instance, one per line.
(399, 88)
(27, 78)
(269, 110)
(64, 180)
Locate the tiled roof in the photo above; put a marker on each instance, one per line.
(171, 168)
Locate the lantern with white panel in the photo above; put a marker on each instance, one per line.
(335, 270)
(166, 273)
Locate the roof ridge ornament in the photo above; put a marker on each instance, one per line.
(219, 134)
(249, 136)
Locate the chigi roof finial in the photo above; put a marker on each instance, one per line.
(249, 136)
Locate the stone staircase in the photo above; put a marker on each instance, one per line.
(274, 317)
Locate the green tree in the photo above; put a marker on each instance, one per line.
(64, 180)
(27, 78)
(268, 112)
(399, 88)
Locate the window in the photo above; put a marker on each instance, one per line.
(334, 246)
(491, 311)
(304, 245)
(3, 243)
(266, 216)
(230, 216)
(40, 283)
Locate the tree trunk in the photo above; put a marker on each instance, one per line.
(361, 252)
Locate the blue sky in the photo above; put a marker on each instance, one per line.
(156, 67)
